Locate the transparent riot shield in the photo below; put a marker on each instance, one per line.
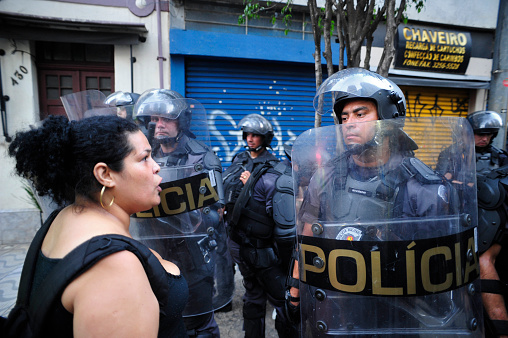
(88, 103)
(387, 246)
(187, 227)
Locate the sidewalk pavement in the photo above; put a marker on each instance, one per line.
(230, 323)
(11, 263)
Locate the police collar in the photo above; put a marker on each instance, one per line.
(259, 150)
(483, 150)
(179, 151)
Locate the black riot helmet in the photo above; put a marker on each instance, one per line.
(119, 99)
(485, 122)
(168, 104)
(257, 124)
(359, 83)
(124, 101)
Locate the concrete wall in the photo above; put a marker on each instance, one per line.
(18, 226)
(22, 110)
(467, 13)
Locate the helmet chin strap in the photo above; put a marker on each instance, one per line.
(374, 142)
(169, 141)
(254, 149)
(481, 149)
(361, 149)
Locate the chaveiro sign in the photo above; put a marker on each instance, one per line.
(433, 50)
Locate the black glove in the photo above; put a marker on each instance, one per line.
(292, 311)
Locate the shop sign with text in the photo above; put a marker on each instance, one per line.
(432, 49)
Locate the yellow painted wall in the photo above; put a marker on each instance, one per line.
(427, 101)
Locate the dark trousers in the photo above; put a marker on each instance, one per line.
(261, 286)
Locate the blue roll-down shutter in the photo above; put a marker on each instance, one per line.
(231, 89)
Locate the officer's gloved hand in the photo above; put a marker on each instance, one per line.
(292, 303)
(292, 310)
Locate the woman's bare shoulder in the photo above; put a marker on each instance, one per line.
(71, 228)
(113, 296)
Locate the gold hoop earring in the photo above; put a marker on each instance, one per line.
(102, 195)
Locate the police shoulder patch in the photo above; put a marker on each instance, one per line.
(349, 234)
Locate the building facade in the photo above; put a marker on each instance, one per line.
(52, 48)
(49, 48)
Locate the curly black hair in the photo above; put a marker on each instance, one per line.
(59, 156)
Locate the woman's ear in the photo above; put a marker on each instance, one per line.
(103, 175)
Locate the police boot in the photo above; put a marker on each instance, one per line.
(254, 320)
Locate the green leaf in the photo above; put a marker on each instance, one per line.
(31, 195)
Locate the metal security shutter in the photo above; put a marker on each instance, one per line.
(231, 89)
(429, 101)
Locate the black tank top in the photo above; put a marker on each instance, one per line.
(60, 320)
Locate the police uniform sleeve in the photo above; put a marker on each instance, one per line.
(309, 211)
(265, 189)
(425, 202)
(427, 199)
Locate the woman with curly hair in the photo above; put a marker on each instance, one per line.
(101, 168)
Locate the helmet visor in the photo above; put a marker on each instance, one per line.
(169, 109)
(119, 99)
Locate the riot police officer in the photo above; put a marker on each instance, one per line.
(187, 227)
(486, 126)
(492, 216)
(257, 132)
(368, 205)
(260, 233)
(492, 182)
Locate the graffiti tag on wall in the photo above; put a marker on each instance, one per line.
(419, 105)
